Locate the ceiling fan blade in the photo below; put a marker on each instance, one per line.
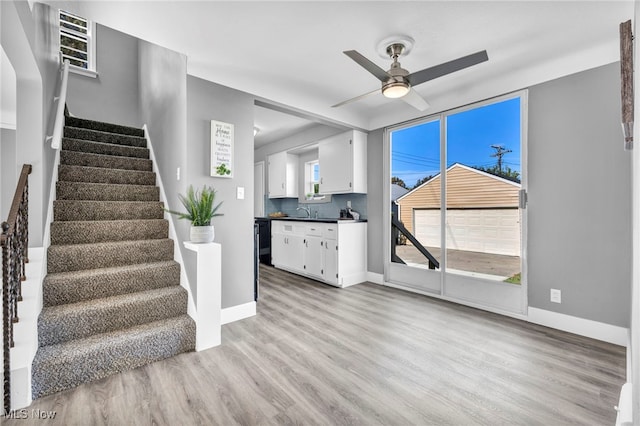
(414, 99)
(368, 65)
(427, 74)
(357, 98)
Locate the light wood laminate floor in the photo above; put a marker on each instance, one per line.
(366, 355)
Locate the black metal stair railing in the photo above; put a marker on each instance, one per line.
(15, 244)
(397, 226)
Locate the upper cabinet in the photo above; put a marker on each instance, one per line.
(283, 175)
(343, 163)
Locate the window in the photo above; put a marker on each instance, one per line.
(77, 42)
(312, 178)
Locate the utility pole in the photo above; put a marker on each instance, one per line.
(500, 152)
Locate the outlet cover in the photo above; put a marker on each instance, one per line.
(556, 295)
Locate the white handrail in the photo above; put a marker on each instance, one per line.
(56, 138)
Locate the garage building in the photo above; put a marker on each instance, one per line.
(482, 212)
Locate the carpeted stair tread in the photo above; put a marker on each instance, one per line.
(77, 158)
(106, 192)
(64, 210)
(106, 137)
(66, 365)
(76, 257)
(102, 126)
(104, 148)
(98, 231)
(61, 323)
(71, 173)
(72, 287)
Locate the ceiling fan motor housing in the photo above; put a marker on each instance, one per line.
(397, 85)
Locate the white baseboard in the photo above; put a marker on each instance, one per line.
(238, 312)
(583, 327)
(375, 278)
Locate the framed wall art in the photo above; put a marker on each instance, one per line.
(221, 149)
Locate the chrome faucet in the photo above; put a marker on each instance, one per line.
(306, 209)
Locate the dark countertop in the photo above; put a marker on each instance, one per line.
(307, 219)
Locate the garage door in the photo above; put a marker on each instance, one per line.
(494, 231)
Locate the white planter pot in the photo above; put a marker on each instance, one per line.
(202, 234)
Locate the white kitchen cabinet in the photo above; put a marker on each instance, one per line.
(313, 256)
(287, 243)
(331, 262)
(335, 253)
(283, 175)
(343, 163)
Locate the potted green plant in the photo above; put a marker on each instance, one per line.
(200, 210)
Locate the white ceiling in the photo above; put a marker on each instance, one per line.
(275, 125)
(291, 52)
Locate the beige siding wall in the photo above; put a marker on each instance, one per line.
(466, 189)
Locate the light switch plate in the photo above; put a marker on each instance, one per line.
(240, 193)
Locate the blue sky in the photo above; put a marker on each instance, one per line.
(470, 134)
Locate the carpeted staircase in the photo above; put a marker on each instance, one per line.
(112, 296)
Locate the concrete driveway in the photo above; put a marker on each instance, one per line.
(470, 261)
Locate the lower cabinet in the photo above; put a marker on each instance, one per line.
(335, 253)
(313, 251)
(286, 250)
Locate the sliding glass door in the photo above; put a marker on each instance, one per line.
(457, 223)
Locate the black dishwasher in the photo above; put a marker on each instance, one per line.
(264, 237)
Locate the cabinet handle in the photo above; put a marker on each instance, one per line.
(320, 181)
(283, 186)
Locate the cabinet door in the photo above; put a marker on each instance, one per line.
(336, 164)
(313, 256)
(277, 169)
(331, 261)
(294, 252)
(278, 249)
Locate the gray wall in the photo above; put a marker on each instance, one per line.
(29, 40)
(375, 204)
(580, 197)
(163, 108)
(208, 101)
(8, 170)
(113, 95)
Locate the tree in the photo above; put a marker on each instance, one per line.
(506, 172)
(423, 180)
(398, 181)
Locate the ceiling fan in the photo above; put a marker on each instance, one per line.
(397, 82)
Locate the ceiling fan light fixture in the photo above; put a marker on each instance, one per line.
(395, 90)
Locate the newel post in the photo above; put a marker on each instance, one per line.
(208, 298)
